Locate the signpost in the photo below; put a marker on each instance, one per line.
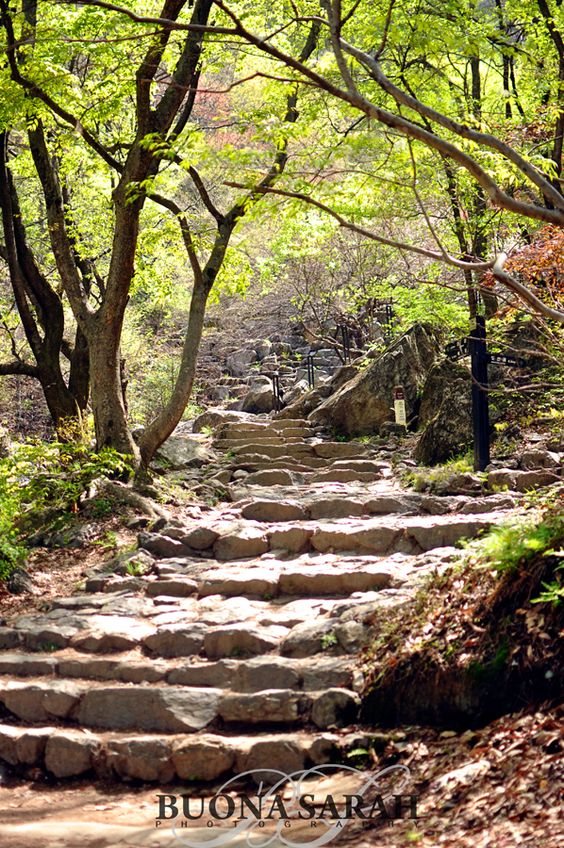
(475, 347)
(399, 405)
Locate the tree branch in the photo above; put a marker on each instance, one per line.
(17, 368)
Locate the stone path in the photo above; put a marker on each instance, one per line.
(230, 642)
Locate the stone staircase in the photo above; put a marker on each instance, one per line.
(230, 641)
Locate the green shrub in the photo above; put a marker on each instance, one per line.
(40, 478)
(511, 546)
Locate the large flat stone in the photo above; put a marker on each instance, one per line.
(275, 705)
(276, 477)
(176, 640)
(242, 543)
(292, 539)
(232, 641)
(147, 758)
(317, 581)
(249, 582)
(27, 665)
(177, 587)
(274, 510)
(206, 758)
(336, 507)
(340, 450)
(107, 633)
(169, 710)
(376, 538)
(40, 702)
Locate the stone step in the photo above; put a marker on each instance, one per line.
(273, 451)
(381, 535)
(256, 462)
(250, 675)
(69, 752)
(171, 709)
(253, 440)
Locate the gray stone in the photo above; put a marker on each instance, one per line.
(307, 639)
(205, 759)
(273, 705)
(68, 755)
(445, 415)
(176, 640)
(40, 702)
(335, 707)
(534, 458)
(238, 363)
(270, 510)
(146, 758)
(215, 418)
(342, 507)
(259, 399)
(183, 452)
(170, 710)
(276, 477)
(239, 640)
(180, 587)
(200, 538)
(241, 544)
(293, 539)
(162, 546)
(272, 759)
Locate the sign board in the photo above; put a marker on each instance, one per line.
(458, 349)
(399, 405)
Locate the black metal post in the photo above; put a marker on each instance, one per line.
(346, 342)
(480, 412)
(310, 370)
(277, 392)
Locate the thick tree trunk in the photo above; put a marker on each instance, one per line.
(110, 419)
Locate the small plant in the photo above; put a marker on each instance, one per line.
(328, 640)
(108, 542)
(100, 507)
(207, 430)
(554, 591)
(134, 568)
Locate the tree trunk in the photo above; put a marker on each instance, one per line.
(160, 429)
(110, 419)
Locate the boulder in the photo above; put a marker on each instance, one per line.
(263, 348)
(241, 543)
(445, 416)
(239, 361)
(535, 458)
(214, 418)
(259, 399)
(335, 707)
(364, 404)
(182, 452)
